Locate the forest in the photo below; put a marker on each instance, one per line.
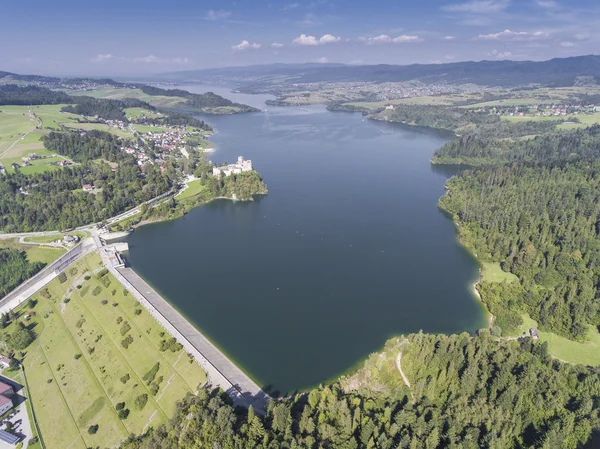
(542, 223)
(15, 269)
(195, 101)
(555, 146)
(11, 94)
(465, 393)
(55, 199)
(92, 145)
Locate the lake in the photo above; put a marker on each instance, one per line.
(346, 251)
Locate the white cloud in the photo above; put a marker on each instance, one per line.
(449, 38)
(478, 6)
(567, 44)
(151, 59)
(26, 60)
(322, 60)
(276, 45)
(102, 57)
(582, 36)
(508, 35)
(385, 39)
(245, 45)
(404, 39)
(310, 20)
(211, 14)
(303, 39)
(500, 54)
(329, 39)
(548, 4)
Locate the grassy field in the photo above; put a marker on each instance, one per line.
(150, 129)
(117, 94)
(79, 369)
(138, 112)
(194, 188)
(45, 254)
(491, 272)
(587, 353)
(99, 127)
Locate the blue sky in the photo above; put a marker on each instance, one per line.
(134, 37)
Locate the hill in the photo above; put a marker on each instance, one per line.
(555, 72)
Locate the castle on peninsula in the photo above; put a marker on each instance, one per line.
(240, 166)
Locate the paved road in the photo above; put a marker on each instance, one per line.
(24, 291)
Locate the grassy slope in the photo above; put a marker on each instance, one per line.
(491, 272)
(194, 188)
(35, 253)
(85, 391)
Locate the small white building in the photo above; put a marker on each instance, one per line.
(240, 166)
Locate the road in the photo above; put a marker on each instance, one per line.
(24, 291)
(221, 371)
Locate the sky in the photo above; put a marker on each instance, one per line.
(116, 37)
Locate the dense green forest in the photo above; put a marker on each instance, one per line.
(11, 94)
(15, 269)
(195, 101)
(468, 393)
(542, 222)
(106, 109)
(90, 145)
(555, 146)
(55, 199)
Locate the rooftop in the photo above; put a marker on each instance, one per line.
(8, 437)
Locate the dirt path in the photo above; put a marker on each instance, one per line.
(404, 378)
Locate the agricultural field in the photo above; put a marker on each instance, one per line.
(133, 113)
(100, 359)
(35, 253)
(118, 94)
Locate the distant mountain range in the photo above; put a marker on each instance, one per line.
(555, 72)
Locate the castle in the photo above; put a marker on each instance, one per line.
(240, 166)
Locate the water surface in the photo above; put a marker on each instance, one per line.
(347, 250)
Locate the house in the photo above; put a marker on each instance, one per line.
(88, 187)
(8, 437)
(14, 165)
(6, 393)
(70, 239)
(240, 166)
(4, 361)
(533, 332)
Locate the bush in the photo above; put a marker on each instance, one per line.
(80, 323)
(119, 319)
(31, 303)
(97, 290)
(127, 341)
(151, 374)
(79, 286)
(87, 277)
(105, 281)
(103, 272)
(62, 277)
(154, 389)
(138, 311)
(73, 271)
(170, 344)
(66, 300)
(77, 356)
(141, 401)
(125, 378)
(44, 293)
(125, 328)
(49, 381)
(33, 441)
(104, 302)
(120, 406)
(93, 429)
(123, 414)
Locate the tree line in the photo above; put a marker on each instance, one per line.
(15, 269)
(468, 393)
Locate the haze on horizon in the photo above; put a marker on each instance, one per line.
(112, 38)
